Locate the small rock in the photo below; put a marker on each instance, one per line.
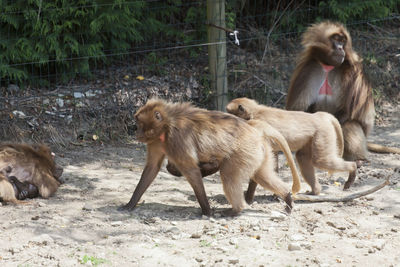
(375, 212)
(233, 241)
(35, 218)
(352, 233)
(78, 95)
(90, 93)
(46, 101)
(297, 237)
(359, 245)
(332, 224)
(41, 204)
(371, 250)
(174, 230)
(199, 260)
(116, 223)
(379, 244)
(60, 102)
(43, 239)
(294, 246)
(16, 249)
(233, 261)
(222, 221)
(276, 215)
(88, 206)
(195, 235)
(19, 114)
(319, 211)
(306, 245)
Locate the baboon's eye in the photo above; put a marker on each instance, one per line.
(240, 107)
(158, 116)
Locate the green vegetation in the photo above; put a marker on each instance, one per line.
(93, 260)
(44, 40)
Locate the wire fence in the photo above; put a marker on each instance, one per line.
(172, 64)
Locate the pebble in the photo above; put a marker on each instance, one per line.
(233, 261)
(195, 235)
(379, 244)
(43, 239)
(174, 230)
(352, 233)
(16, 249)
(41, 204)
(60, 102)
(297, 237)
(359, 245)
(78, 95)
(88, 207)
(306, 245)
(294, 246)
(279, 216)
(116, 223)
(233, 241)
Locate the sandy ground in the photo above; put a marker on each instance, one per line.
(81, 223)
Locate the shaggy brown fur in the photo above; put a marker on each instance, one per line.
(350, 99)
(29, 170)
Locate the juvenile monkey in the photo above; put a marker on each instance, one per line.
(316, 138)
(188, 135)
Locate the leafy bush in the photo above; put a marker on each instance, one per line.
(44, 37)
(346, 11)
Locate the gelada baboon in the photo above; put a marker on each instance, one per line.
(187, 135)
(30, 170)
(316, 138)
(329, 77)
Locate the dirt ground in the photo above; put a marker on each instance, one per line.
(81, 223)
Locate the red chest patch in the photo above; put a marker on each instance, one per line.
(326, 88)
(162, 137)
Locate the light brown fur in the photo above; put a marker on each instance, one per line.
(316, 138)
(29, 164)
(7, 191)
(188, 135)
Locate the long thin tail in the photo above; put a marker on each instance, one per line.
(382, 149)
(278, 138)
(339, 135)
